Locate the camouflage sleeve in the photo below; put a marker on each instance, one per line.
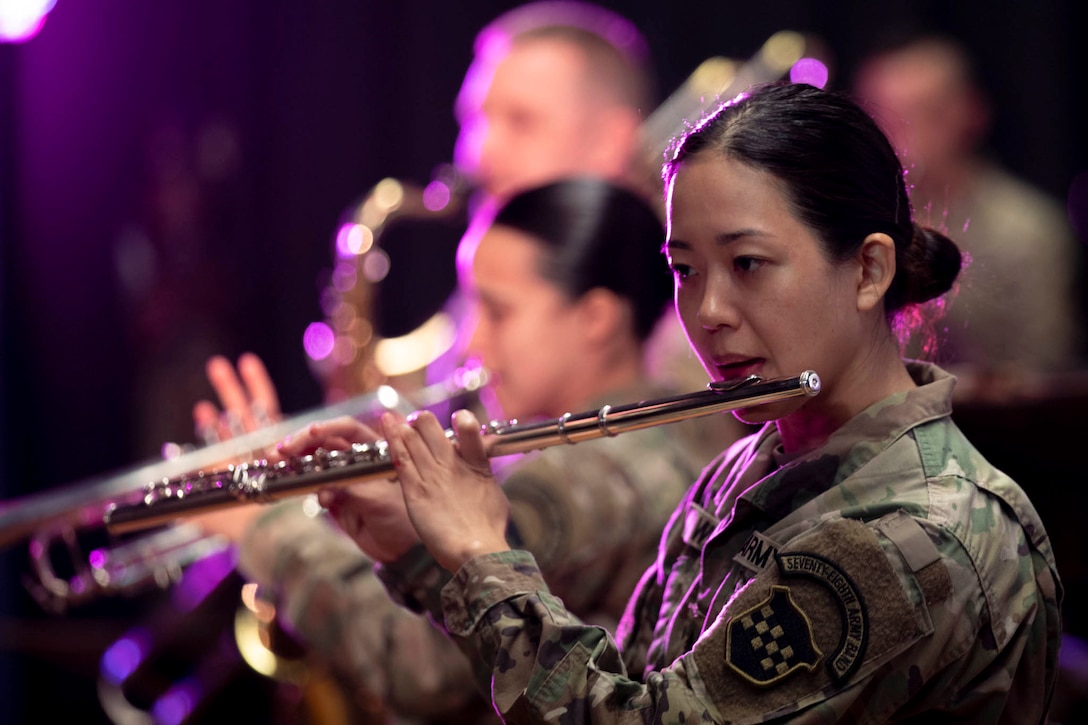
(548, 665)
(326, 592)
(414, 582)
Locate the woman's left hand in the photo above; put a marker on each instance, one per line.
(453, 500)
(372, 513)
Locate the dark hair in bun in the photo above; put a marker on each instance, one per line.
(928, 266)
(592, 234)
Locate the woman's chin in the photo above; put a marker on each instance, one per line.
(760, 414)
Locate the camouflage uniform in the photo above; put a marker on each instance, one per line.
(890, 573)
(592, 514)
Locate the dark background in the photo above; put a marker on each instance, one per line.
(171, 174)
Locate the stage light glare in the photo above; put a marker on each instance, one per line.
(21, 20)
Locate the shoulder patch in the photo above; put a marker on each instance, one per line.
(855, 618)
(771, 640)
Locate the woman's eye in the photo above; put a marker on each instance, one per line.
(680, 271)
(492, 313)
(747, 264)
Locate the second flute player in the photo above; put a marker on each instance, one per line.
(564, 284)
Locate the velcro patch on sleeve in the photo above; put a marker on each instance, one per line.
(919, 553)
(833, 610)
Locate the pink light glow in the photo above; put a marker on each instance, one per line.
(436, 196)
(810, 71)
(343, 277)
(353, 239)
(20, 20)
(201, 578)
(318, 340)
(343, 245)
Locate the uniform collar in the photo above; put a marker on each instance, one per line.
(857, 442)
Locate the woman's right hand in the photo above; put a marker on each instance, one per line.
(452, 497)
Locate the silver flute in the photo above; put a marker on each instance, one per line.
(262, 482)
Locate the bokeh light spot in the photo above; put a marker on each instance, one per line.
(353, 240)
(376, 266)
(343, 277)
(436, 196)
(177, 704)
(783, 49)
(318, 340)
(810, 71)
(124, 656)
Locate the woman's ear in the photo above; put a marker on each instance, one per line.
(602, 314)
(876, 269)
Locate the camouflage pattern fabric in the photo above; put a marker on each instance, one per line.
(891, 574)
(592, 513)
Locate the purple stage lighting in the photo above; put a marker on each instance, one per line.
(125, 655)
(177, 704)
(20, 20)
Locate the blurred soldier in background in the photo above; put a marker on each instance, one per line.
(1016, 311)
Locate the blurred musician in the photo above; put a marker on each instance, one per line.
(565, 285)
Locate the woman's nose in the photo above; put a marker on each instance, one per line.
(475, 336)
(718, 307)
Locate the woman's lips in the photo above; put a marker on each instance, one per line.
(738, 368)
